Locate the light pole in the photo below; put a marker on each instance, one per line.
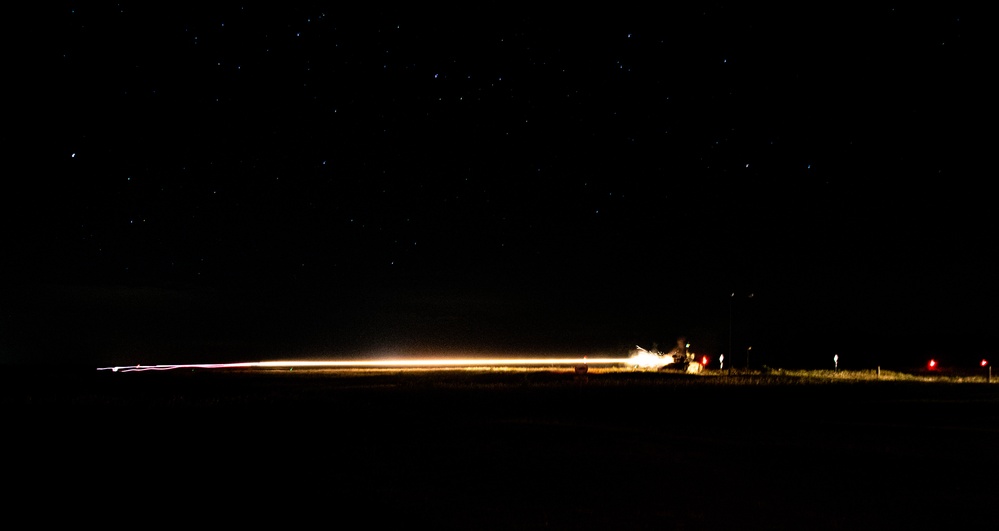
(731, 298)
(731, 312)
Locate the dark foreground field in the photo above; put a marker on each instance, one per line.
(497, 450)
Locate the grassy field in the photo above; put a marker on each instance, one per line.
(505, 448)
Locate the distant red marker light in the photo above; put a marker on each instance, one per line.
(933, 364)
(985, 363)
(704, 361)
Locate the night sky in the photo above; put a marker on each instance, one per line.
(235, 183)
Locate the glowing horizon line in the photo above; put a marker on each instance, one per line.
(386, 363)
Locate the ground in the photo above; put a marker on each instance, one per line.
(502, 449)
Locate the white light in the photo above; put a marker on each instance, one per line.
(392, 363)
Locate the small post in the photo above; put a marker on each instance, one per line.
(879, 372)
(721, 362)
(990, 374)
(836, 362)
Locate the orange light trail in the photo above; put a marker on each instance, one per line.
(386, 363)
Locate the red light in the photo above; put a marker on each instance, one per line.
(984, 363)
(933, 364)
(704, 361)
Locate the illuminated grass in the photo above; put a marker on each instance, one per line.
(614, 376)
